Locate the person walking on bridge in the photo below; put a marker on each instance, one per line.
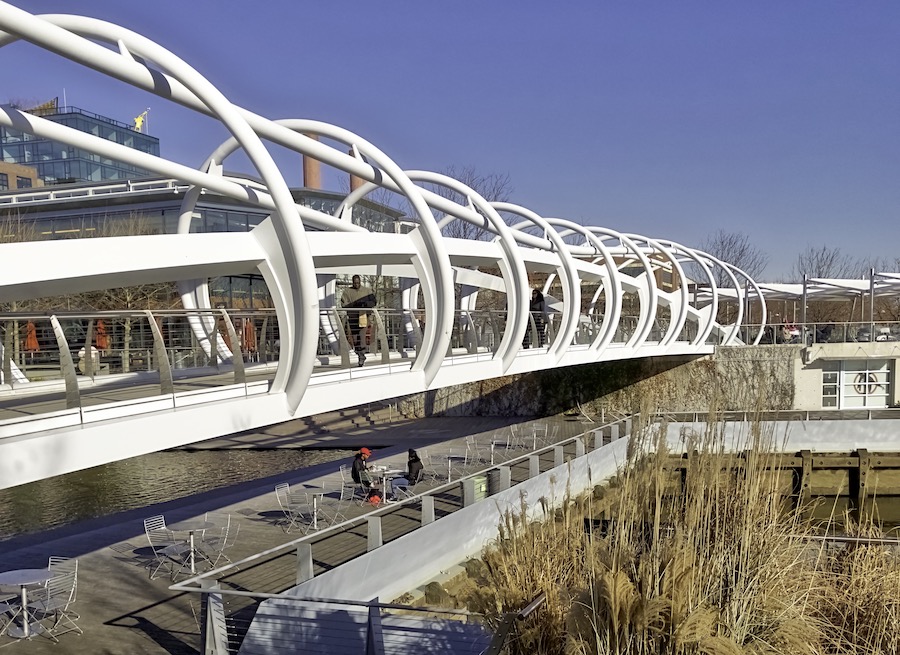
(357, 299)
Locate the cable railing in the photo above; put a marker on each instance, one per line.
(158, 359)
(276, 571)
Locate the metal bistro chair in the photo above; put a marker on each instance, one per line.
(333, 510)
(8, 606)
(404, 487)
(215, 543)
(53, 602)
(297, 514)
(348, 486)
(430, 471)
(473, 451)
(168, 552)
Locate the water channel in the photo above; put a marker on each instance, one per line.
(142, 481)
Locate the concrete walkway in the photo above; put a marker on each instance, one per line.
(122, 611)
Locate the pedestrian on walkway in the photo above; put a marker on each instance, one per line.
(357, 299)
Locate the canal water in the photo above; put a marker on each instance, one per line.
(142, 481)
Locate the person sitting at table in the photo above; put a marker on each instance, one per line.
(415, 471)
(361, 476)
(360, 470)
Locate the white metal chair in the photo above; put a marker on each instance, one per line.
(348, 486)
(9, 606)
(168, 552)
(333, 510)
(473, 451)
(53, 601)
(430, 470)
(216, 542)
(403, 487)
(297, 514)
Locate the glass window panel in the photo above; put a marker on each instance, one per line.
(829, 378)
(216, 221)
(829, 401)
(237, 222)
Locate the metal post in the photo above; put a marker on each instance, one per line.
(559, 456)
(614, 432)
(871, 304)
(579, 447)
(803, 311)
(305, 569)
(375, 539)
(468, 491)
(66, 365)
(427, 510)
(499, 480)
(534, 466)
(166, 382)
(597, 439)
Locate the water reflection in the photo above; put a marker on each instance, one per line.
(141, 481)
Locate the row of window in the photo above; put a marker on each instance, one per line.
(21, 182)
(125, 136)
(856, 384)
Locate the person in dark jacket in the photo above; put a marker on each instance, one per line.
(414, 468)
(414, 473)
(358, 299)
(360, 470)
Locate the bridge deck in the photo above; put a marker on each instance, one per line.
(123, 611)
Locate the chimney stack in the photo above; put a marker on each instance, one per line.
(312, 169)
(355, 182)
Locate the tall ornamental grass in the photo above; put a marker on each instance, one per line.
(718, 564)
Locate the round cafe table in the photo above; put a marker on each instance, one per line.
(23, 578)
(316, 493)
(191, 526)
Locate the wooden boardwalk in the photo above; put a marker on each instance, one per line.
(124, 612)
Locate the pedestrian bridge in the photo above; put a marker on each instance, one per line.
(82, 388)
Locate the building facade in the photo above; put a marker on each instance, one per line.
(17, 176)
(58, 163)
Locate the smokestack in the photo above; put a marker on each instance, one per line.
(355, 182)
(312, 169)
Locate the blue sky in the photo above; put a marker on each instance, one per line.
(671, 119)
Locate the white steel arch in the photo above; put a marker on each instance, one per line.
(294, 246)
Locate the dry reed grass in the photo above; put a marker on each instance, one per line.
(716, 565)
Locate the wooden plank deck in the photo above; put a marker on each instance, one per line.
(124, 612)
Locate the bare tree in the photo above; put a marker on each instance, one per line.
(734, 248)
(494, 187)
(826, 262)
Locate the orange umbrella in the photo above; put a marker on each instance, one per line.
(31, 341)
(101, 338)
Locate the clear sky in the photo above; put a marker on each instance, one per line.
(671, 119)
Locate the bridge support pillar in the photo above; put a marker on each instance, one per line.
(629, 425)
(304, 563)
(534, 466)
(614, 432)
(427, 510)
(375, 538)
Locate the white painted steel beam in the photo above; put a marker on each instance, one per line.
(300, 252)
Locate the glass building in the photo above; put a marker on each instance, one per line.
(58, 163)
(152, 206)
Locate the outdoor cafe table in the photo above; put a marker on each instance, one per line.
(191, 526)
(23, 578)
(386, 473)
(316, 493)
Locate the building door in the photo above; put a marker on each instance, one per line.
(865, 383)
